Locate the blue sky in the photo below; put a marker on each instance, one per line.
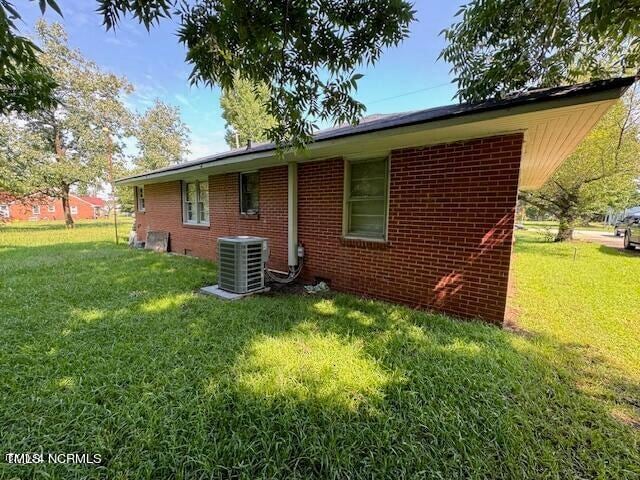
(406, 78)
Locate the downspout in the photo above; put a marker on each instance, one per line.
(292, 215)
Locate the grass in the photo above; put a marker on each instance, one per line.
(109, 350)
(553, 225)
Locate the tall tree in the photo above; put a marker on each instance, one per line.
(501, 46)
(69, 143)
(162, 136)
(601, 173)
(244, 108)
(307, 52)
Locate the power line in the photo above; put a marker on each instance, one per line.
(408, 93)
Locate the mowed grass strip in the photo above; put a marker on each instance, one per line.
(109, 350)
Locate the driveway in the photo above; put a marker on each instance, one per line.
(607, 239)
(603, 238)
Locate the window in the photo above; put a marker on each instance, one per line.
(195, 199)
(74, 210)
(140, 198)
(249, 193)
(51, 208)
(4, 211)
(365, 208)
(36, 209)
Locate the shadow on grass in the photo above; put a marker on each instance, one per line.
(619, 251)
(528, 243)
(112, 352)
(59, 225)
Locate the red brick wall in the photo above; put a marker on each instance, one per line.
(163, 211)
(451, 214)
(24, 211)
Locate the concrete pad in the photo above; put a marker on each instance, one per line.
(216, 291)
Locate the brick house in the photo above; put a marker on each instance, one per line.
(416, 208)
(83, 207)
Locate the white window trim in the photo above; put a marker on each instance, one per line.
(51, 208)
(35, 210)
(138, 198)
(73, 209)
(240, 191)
(183, 198)
(4, 211)
(345, 202)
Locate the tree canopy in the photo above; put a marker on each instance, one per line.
(601, 174)
(162, 137)
(52, 149)
(307, 52)
(501, 46)
(244, 110)
(25, 83)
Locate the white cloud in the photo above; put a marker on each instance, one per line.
(118, 42)
(144, 95)
(183, 100)
(208, 143)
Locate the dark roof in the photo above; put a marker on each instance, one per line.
(380, 122)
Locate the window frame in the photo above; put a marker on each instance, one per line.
(346, 211)
(35, 209)
(73, 209)
(51, 208)
(183, 196)
(4, 210)
(140, 198)
(240, 193)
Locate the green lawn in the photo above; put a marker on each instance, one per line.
(598, 227)
(109, 350)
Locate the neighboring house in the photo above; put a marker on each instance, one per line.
(45, 208)
(416, 208)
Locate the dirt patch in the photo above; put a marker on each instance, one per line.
(626, 418)
(277, 289)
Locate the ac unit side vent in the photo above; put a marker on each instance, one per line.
(241, 262)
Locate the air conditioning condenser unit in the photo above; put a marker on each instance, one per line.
(241, 263)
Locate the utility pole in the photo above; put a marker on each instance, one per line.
(111, 181)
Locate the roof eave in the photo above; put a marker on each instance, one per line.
(608, 90)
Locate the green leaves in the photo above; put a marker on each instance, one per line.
(602, 172)
(306, 53)
(25, 84)
(70, 142)
(501, 46)
(162, 136)
(147, 12)
(51, 4)
(244, 108)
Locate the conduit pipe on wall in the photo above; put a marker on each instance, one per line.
(292, 215)
(294, 260)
